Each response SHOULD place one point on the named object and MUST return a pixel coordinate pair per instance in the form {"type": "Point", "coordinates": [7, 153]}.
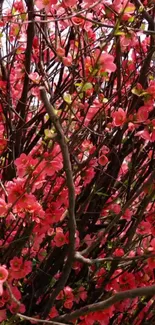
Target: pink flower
{"type": "Point", "coordinates": [3, 274]}
{"type": "Point", "coordinates": [45, 4]}
{"type": "Point", "coordinates": [34, 76]}
{"type": "Point", "coordinates": [69, 3]}
{"type": "Point", "coordinates": [15, 189]}
{"type": "Point", "coordinates": [25, 164]}
{"type": "Point", "coordinates": [151, 263]}
{"type": "Point", "coordinates": [68, 304]}
{"type": "Point", "coordinates": [107, 62]}
{"type": "Point", "coordinates": [67, 61]}
{"type": "Point", "coordinates": [59, 238]}
{"type": "Point", "coordinates": [127, 215]}
{"type": "Point", "coordinates": [78, 21]}
{"type": "Point", "coordinates": [69, 297]}
{"type": "Point", "coordinates": [60, 51]}
{"type": "Point", "coordinates": [142, 114]}
{"type": "Point", "coordinates": [119, 117]}
{"type": "Point", "coordinates": [51, 164]}
{"type": "Point", "coordinates": [3, 278]}
{"type": "Point", "coordinates": [6, 296]}
{"type": "Point", "coordinates": [16, 263]}
{"type": "Point", "coordinates": [68, 292]}
{"type": "Point", "coordinates": [81, 294]}
{"type": "Point", "coordinates": [14, 308]}
{"type": "Point", "coordinates": [3, 208]}
{"type": "Point", "coordinates": [126, 281]}
{"type": "Point", "coordinates": [53, 312]}
{"type": "Point", "coordinates": [144, 228]}
{"type": "Point", "coordinates": [103, 160]}
{"type": "Point", "coordinates": [19, 268]}
{"type": "Point", "coordinates": [118, 252]}
{"type": "Point", "coordinates": [88, 175]}
{"type": "Point", "coordinates": [115, 207]}
{"type": "Point", "coordinates": [104, 150]}
{"type": "Point", "coordinates": [144, 134]}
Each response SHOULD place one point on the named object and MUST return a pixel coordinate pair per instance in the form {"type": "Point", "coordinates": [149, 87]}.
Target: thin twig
{"type": "Point", "coordinates": [32, 319]}
{"type": "Point", "coordinates": [11, 294]}
{"type": "Point", "coordinates": [89, 261]}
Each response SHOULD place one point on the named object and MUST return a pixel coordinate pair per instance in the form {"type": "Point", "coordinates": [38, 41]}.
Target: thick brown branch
{"type": "Point", "coordinates": [129, 294]}
{"type": "Point", "coordinates": [146, 15]}
{"type": "Point", "coordinates": [71, 194]}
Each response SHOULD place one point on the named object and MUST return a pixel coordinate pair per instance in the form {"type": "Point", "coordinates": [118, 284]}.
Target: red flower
{"type": "Point", "coordinates": [142, 114]}
{"type": "Point", "coordinates": [16, 263]}
{"type": "Point", "coordinates": [103, 160]}
{"type": "Point", "coordinates": [3, 208]}
{"type": "Point", "coordinates": [59, 238]}
{"type": "Point", "coordinates": [53, 312]}
{"type": "Point", "coordinates": [119, 117]}
{"type": "Point", "coordinates": [126, 281]}
{"type": "Point", "coordinates": [60, 51]}
{"type": "Point", "coordinates": [19, 268]}
{"type": "Point", "coordinates": [78, 21]}
{"type": "Point", "coordinates": [3, 278]}
{"type": "Point", "coordinates": [144, 228]}
{"type": "Point", "coordinates": [118, 252]}
{"type": "Point", "coordinates": [151, 263]}
{"type": "Point", "coordinates": [68, 304]}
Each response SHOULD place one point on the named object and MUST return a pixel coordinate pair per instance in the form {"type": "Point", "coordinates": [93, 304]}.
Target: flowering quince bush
{"type": "Point", "coordinates": [77, 162]}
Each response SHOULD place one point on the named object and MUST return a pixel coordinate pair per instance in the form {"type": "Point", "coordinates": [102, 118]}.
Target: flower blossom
{"type": "Point", "coordinates": [119, 117]}
{"type": "Point", "coordinates": [3, 277]}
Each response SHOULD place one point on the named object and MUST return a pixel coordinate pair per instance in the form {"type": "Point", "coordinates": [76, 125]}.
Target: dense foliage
{"type": "Point", "coordinates": [77, 162]}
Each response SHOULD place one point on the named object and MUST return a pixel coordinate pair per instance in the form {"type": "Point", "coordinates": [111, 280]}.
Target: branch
{"type": "Point", "coordinates": [146, 15]}
{"type": "Point", "coordinates": [28, 53]}
{"type": "Point", "coordinates": [11, 294]}
{"type": "Point", "coordinates": [89, 261]}
{"type": "Point", "coordinates": [71, 197]}
{"type": "Point", "coordinates": [100, 306]}
{"type": "Point", "coordinates": [31, 319]}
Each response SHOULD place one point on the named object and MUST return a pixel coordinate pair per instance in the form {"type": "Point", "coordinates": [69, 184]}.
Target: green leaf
{"type": "Point", "coordinates": [105, 100]}
{"type": "Point", "coordinates": [23, 16]}
{"type": "Point", "coordinates": [110, 244]}
{"type": "Point", "coordinates": [101, 194]}
{"type": "Point", "coordinates": [87, 86]}
{"type": "Point", "coordinates": [119, 32]}
{"type": "Point", "coordinates": [67, 98]}
{"type": "Point", "coordinates": [135, 91]}
{"type": "Point", "coordinates": [78, 84]}
{"type": "Point", "coordinates": [142, 27]}
{"type": "Point", "coordinates": [108, 266]}
{"type": "Point", "coordinates": [49, 134]}
{"type": "Point", "coordinates": [131, 19]}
